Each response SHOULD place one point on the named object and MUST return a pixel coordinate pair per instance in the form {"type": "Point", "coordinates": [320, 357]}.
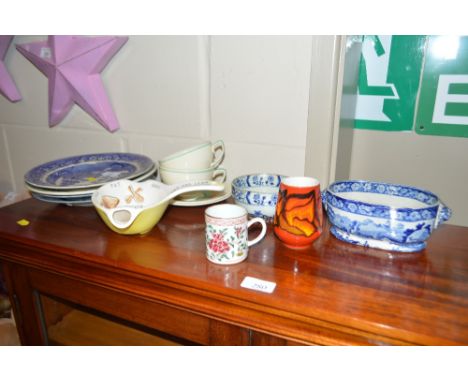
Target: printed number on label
{"type": "Point", "coordinates": [257, 284]}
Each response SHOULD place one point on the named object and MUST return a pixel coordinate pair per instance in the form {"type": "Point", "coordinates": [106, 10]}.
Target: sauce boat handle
{"type": "Point", "coordinates": [443, 214]}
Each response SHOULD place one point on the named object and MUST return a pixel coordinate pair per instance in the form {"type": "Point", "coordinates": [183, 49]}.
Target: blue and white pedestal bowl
{"type": "Point", "coordinates": [383, 215]}
{"type": "Point", "coordinates": [257, 193]}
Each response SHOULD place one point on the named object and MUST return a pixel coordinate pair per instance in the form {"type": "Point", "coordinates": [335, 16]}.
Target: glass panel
{"type": "Point", "coordinates": [65, 323]}
{"type": "Point", "coordinates": [8, 332]}
{"type": "Point", "coordinates": [5, 308]}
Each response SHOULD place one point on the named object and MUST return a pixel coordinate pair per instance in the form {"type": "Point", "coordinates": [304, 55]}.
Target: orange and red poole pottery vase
{"type": "Point", "coordinates": [298, 215]}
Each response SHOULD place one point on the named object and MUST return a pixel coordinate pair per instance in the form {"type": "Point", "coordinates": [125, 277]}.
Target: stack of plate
{"type": "Point", "coordinates": [73, 180]}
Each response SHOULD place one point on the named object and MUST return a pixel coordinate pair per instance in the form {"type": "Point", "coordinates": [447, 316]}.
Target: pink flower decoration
{"type": "Point", "coordinates": [239, 231]}
{"type": "Point", "coordinates": [218, 244]}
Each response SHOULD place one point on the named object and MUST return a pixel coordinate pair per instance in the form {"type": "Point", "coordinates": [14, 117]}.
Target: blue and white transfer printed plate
{"type": "Point", "coordinates": [84, 201]}
{"type": "Point", "coordinates": [87, 171]}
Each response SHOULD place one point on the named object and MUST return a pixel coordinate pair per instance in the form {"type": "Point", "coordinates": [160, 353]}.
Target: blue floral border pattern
{"type": "Point", "coordinates": [380, 211]}
{"type": "Point", "coordinates": [254, 198]}
{"type": "Point", "coordinates": [241, 193]}
{"type": "Point", "coordinates": [257, 180]}
{"type": "Point", "coordinates": [257, 203]}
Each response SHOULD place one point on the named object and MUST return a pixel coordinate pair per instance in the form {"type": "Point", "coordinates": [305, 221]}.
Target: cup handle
{"type": "Point", "coordinates": [261, 235]}
{"type": "Point", "coordinates": [218, 145]}
{"type": "Point", "coordinates": [443, 214]}
{"type": "Point", "coordinates": [121, 218]}
{"type": "Point", "coordinates": [218, 172]}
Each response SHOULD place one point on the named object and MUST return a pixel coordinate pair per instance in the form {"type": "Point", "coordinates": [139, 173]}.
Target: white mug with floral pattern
{"type": "Point", "coordinates": [227, 233]}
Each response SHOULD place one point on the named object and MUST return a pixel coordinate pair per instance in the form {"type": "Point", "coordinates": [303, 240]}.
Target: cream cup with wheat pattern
{"type": "Point", "coordinates": [227, 233]}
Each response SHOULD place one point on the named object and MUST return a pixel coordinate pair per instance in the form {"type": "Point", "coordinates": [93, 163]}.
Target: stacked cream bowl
{"type": "Point", "coordinates": [200, 162]}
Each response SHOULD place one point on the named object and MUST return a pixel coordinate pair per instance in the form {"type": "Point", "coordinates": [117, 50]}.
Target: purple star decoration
{"type": "Point", "coordinates": [7, 86]}
{"type": "Point", "coordinates": [73, 65]}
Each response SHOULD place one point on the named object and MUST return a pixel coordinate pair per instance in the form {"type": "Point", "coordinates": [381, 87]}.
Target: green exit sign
{"type": "Point", "coordinates": [443, 100]}
{"type": "Point", "coordinates": [415, 83]}
{"type": "Point", "coordinates": [389, 75]}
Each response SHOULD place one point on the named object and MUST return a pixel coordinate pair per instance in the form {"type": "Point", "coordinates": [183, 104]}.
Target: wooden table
{"type": "Point", "coordinates": [74, 281]}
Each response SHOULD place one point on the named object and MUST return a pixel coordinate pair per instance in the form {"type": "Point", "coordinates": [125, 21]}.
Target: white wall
{"type": "Point", "coordinates": [438, 164]}
{"type": "Point", "coordinates": [169, 93]}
